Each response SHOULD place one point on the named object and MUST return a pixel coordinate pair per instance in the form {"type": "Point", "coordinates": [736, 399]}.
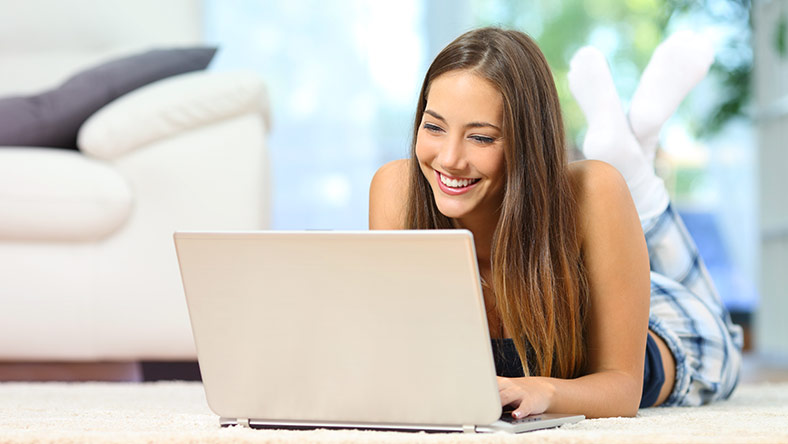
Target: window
{"type": "Point", "coordinates": [344, 76]}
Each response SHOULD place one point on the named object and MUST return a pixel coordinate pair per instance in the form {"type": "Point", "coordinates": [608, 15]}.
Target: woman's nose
{"type": "Point", "coordinates": [452, 155]}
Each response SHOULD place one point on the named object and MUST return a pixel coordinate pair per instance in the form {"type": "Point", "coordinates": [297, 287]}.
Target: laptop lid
{"type": "Point", "coordinates": [378, 328]}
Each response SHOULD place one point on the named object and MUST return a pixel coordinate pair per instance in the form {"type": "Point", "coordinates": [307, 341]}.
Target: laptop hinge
{"type": "Point", "coordinates": [244, 422]}
{"type": "Point", "coordinates": [468, 429]}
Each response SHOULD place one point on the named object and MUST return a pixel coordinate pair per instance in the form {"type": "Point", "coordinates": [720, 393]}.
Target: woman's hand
{"type": "Point", "coordinates": [527, 396]}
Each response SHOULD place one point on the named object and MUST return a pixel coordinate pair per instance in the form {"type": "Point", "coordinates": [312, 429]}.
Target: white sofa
{"type": "Point", "coordinates": [88, 270]}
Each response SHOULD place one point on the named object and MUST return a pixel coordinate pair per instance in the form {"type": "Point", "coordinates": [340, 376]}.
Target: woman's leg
{"type": "Point", "coordinates": [688, 316]}
{"type": "Point", "coordinates": [701, 339]}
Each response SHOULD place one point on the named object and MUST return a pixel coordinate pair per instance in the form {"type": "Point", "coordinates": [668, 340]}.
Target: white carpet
{"type": "Point", "coordinates": [176, 412]}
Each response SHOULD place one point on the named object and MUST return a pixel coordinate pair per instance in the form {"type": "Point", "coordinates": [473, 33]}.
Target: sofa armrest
{"type": "Point", "coordinates": [168, 107]}
{"type": "Point", "coordinates": [49, 195]}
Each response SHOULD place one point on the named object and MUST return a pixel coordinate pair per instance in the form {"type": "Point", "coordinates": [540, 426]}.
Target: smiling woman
{"type": "Point", "coordinates": [572, 308]}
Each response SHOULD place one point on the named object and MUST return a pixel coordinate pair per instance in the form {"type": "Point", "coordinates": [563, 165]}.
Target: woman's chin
{"type": "Point", "coordinates": [451, 209]}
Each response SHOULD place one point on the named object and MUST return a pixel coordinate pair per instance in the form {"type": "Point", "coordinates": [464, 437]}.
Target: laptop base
{"type": "Point", "coordinates": [506, 424]}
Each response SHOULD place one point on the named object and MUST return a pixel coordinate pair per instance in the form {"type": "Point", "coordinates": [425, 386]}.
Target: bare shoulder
{"type": "Point", "coordinates": [388, 195]}
{"type": "Point", "coordinates": [594, 180]}
{"type": "Point", "coordinates": [601, 192]}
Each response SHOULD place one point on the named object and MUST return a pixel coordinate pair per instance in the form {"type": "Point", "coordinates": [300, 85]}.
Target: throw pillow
{"type": "Point", "coordinates": [53, 118]}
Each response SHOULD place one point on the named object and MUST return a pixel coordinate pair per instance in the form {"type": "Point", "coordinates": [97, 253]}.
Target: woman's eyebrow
{"type": "Point", "coordinates": [435, 115]}
{"type": "Point", "coordinates": [469, 125]}
{"type": "Point", "coordinates": [481, 125]}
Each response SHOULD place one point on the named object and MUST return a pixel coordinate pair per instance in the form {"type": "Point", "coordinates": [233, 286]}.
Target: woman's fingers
{"type": "Point", "coordinates": [522, 411]}
{"type": "Point", "coordinates": [513, 395]}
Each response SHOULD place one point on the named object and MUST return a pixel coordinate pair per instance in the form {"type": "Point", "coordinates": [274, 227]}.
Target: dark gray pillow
{"type": "Point", "coordinates": [53, 118]}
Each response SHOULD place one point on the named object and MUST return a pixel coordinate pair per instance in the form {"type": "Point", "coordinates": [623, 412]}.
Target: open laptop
{"type": "Point", "coordinates": [377, 330]}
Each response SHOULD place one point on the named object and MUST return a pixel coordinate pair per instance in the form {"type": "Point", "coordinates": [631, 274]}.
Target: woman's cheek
{"type": "Point", "coordinates": [426, 149]}
{"type": "Point", "coordinates": [420, 148]}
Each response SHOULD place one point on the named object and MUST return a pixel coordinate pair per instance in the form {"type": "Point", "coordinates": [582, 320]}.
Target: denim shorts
{"type": "Point", "coordinates": [687, 313]}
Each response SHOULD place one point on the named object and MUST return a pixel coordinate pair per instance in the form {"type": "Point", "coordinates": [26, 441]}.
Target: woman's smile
{"type": "Point", "coordinates": [455, 185]}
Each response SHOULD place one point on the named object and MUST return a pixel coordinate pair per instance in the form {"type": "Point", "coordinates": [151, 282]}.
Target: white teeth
{"type": "Point", "coordinates": [456, 183]}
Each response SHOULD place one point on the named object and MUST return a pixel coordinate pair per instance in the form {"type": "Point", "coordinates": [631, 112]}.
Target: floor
{"type": "Point", "coordinates": [70, 371]}
{"type": "Point", "coordinates": [761, 369]}
{"type": "Point", "coordinates": [755, 368]}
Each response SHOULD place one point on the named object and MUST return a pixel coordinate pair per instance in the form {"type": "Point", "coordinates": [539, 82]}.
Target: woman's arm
{"type": "Point", "coordinates": [388, 194]}
{"type": "Point", "coordinates": [617, 266]}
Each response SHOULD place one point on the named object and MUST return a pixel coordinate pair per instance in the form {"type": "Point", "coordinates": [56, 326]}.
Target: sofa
{"type": "Point", "coordinates": [88, 271]}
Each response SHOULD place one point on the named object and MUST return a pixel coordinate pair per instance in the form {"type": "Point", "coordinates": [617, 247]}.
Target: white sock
{"type": "Point", "coordinates": [676, 66]}
{"type": "Point", "coordinates": [609, 137]}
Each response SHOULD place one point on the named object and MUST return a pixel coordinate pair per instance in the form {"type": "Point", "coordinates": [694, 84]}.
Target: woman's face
{"type": "Point", "coordinates": [460, 145]}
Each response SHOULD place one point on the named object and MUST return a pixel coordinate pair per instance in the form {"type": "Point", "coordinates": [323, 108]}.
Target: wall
{"type": "Point", "coordinates": [771, 100]}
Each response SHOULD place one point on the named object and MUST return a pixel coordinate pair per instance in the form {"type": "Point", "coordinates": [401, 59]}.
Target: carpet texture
{"type": "Point", "coordinates": [176, 412]}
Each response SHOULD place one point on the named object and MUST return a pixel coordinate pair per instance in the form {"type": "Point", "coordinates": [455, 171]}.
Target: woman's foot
{"type": "Point", "coordinates": [609, 137]}
{"type": "Point", "coordinates": [676, 66]}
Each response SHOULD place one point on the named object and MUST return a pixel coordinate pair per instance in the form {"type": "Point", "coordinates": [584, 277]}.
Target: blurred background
{"type": "Point", "coordinates": [344, 77]}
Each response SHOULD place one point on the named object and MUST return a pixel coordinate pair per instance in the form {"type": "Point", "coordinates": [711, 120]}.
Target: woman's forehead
{"type": "Point", "coordinates": [465, 95]}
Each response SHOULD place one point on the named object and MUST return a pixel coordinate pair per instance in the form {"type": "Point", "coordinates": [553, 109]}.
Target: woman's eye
{"type": "Point", "coordinates": [483, 139]}
{"type": "Point", "coordinates": [432, 128]}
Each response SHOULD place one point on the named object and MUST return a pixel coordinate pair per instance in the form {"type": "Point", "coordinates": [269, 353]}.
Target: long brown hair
{"type": "Point", "coordinates": [537, 272]}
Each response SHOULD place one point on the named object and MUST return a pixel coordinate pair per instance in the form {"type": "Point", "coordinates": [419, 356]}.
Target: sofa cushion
{"type": "Point", "coordinates": [53, 118]}
{"type": "Point", "coordinates": [48, 194]}
{"type": "Point", "coordinates": [168, 107]}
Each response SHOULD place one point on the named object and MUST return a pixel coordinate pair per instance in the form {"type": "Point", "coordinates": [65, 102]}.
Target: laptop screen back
{"type": "Point", "coordinates": [373, 327]}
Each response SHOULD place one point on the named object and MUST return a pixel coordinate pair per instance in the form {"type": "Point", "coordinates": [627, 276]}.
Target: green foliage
{"type": "Point", "coordinates": [780, 37]}
{"type": "Point", "coordinates": [734, 94]}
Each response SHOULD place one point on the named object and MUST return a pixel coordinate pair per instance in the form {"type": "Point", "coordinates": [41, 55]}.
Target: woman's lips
{"type": "Point", "coordinates": [454, 191]}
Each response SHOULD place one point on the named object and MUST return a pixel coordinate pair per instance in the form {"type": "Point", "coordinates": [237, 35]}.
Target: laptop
{"type": "Point", "coordinates": [382, 330]}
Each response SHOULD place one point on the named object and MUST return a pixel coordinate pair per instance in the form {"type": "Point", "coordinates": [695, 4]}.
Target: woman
{"type": "Point", "coordinates": [561, 252]}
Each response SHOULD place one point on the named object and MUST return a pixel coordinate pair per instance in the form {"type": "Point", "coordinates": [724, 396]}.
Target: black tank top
{"type": "Point", "coordinates": [507, 361]}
